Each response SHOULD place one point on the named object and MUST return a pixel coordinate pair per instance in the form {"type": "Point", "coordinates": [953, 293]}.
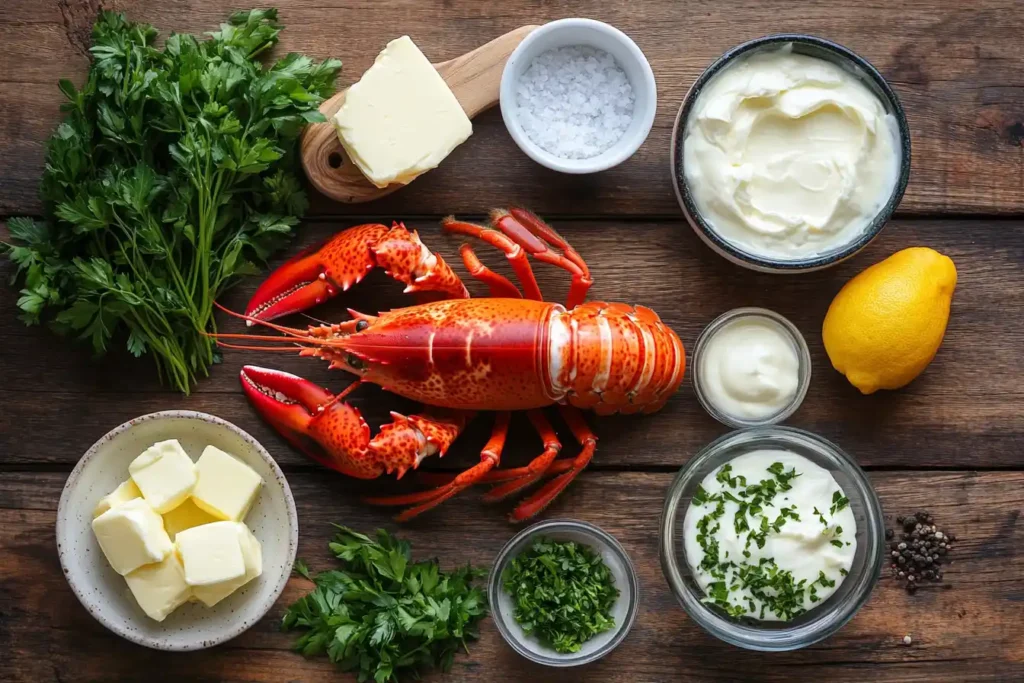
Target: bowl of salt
{"type": "Point", "coordinates": [578, 96]}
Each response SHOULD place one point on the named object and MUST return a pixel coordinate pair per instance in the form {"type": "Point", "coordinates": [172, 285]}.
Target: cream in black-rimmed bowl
{"type": "Point", "coordinates": [104, 593]}
{"type": "Point", "coordinates": [813, 249]}
{"type": "Point", "coordinates": [613, 555]}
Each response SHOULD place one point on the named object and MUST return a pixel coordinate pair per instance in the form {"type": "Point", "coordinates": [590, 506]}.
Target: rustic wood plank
{"type": "Point", "coordinates": [966, 406]}
{"type": "Point", "coordinates": [956, 67]}
{"type": "Point", "coordinates": [973, 631]}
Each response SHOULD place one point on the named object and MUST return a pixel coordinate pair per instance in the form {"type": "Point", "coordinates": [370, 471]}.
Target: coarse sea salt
{"type": "Point", "coordinates": [574, 102]}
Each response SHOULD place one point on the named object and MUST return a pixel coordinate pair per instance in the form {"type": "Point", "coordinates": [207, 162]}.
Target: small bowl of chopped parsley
{"type": "Point", "coordinates": [563, 593]}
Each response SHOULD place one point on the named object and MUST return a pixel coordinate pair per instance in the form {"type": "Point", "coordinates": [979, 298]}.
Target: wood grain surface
{"type": "Point", "coordinates": [952, 442]}
{"type": "Point", "coordinates": [957, 67]}
{"type": "Point", "coordinates": [970, 628]}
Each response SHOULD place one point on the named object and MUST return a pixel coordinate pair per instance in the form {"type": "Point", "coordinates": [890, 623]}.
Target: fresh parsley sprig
{"type": "Point", "coordinates": [382, 615]}
{"type": "Point", "coordinates": [173, 173]}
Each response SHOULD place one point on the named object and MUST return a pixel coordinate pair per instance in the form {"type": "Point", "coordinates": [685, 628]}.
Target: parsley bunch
{"type": "Point", "coordinates": [381, 614]}
{"type": "Point", "coordinates": [563, 593]}
{"type": "Point", "coordinates": [174, 172]}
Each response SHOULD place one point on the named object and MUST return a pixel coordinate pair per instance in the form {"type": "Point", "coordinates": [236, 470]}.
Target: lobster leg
{"type": "Point", "coordinates": [516, 220]}
{"type": "Point", "coordinates": [426, 500]}
{"type": "Point", "coordinates": [537, 467]}
{"type": "Point", "coordinates": [542, 498]}
{"type": "Point", "coordinates": [500, 286]}
{"type": "Point", "coordinates": [517, 258]}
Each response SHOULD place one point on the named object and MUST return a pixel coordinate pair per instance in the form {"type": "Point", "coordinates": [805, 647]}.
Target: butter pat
{"type": "Point", "coordinates": [226, 486]}
{"type": "Point", "coordinates": [160, 588]}
{"type": "Point", "coordinates": [164, 474]}
{"type": "Point", "coordinates": [131, 535]}
{"type": "Point", "coordinates": [401, 118]}
{"type": "Point", "coordinates": [185, 516]}
{"type": "Point", "coordinates": [211, 553]}
{"type": "Point", "coordinates": [122, 494]}
{"type": "Point", "coordinates": [252, 555]}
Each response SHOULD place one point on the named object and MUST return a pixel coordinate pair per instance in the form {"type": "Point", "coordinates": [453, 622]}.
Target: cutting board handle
{"type": "Point", "coordinates": [474, 78]}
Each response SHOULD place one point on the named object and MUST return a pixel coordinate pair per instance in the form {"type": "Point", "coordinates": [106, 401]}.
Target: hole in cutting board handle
{"type": "Point", "coordinates": [335, 160]}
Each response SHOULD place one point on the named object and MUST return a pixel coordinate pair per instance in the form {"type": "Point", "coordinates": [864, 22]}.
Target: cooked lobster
{"type": "Point", "coordinates": [510, 351]}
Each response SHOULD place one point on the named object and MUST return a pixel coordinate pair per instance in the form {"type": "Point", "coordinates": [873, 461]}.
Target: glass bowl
{"type": "Point", "coordinates": [613, 554]}
{"type": "Point", "coordinates": [822, 49]}
{"type": "Point", "coordinates": [817, 623]}
{"type": "Point", "coordinates": [802, 353]}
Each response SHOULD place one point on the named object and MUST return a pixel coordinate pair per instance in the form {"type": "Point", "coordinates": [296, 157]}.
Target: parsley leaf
{"type": "Point", "coordinates": [174, 172]}
{"type": "Point", "coordinates": [381, 614]}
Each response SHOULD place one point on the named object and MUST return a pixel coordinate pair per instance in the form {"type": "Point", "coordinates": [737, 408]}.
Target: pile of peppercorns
{"type": "Point", "coordinates": [921, 553]}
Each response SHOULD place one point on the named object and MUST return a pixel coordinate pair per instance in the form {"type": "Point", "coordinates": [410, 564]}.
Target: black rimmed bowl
{"type": "Point", "coordinates": [811, 46]}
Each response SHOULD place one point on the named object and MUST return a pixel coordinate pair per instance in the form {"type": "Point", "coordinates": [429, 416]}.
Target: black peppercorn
{"type": "Point", "coordinates": [918, 556]}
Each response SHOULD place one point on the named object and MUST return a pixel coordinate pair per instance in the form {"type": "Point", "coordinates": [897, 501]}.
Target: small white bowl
{"type": "Point", "coordinates": [596, 34]}
{"type": "Point", "coordinates": [105, 594]}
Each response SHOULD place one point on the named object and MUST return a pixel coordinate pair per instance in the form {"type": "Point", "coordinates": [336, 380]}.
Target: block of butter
{"type": "Point", "coordinates": [226, 487]}
{"type": "Point", "coordinates": [211, 553]}
{"type": "Point", "coordinates": [160, 588]}
{"type": "Point", "coordinates": [252, 554]}
{"type": "Point", "coordinates": [185, 516]}
{"type": "Point", "coordinates": [131, 535]}
{"type": "Point", "coordinates": [122, 494]}
{"type": "Point", "coordinates": [401, 118]}
{"type": "Point", "coordinates": [164, 474]}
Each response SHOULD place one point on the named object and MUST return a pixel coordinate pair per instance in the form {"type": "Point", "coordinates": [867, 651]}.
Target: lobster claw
{"type": "Point", "coordinates": [317, 274]}
{"type": "Point", "coordinates": [314, 420]}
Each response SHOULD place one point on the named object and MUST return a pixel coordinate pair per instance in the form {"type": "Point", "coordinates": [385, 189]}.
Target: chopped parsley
{"type": "Point", "coordinates": [767, 587]}
{"type": "Point", "coordinates": [563, 593]}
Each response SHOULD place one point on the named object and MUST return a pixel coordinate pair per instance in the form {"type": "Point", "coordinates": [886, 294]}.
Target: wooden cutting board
{"type": "Point", "coordinates": [474, 78]}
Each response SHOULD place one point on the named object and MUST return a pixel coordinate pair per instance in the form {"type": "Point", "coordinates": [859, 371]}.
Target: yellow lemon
{"type": "Point", "coordinates": [886, 324]}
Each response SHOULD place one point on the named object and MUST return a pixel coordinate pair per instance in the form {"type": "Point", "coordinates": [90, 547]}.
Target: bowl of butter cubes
{"type": "Point", "coordinates": [177, 530]}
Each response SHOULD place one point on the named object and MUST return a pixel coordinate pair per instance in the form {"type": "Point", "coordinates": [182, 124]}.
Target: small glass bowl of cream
{"type": "Point", "coordinates": [822, 545]}
{"type": "Point", "coordinates": [751, 367]}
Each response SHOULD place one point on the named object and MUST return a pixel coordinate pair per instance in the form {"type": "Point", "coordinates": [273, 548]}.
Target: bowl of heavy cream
{"type": "Point", "coordinates": [790, 153]}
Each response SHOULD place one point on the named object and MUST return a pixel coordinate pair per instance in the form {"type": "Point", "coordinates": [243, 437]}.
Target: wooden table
{"type": "Point", "coordinates": [952, 442]}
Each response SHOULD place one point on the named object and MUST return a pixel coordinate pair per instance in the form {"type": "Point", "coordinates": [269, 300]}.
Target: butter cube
{"type": "Point", "coordinates": [252, 553]}
{"type": "Point", "coordinates": [131, 535]}
{"type": "Point", "coordinates": [160, 588]}
{"type": "Point", "coordinates": [185, 516]}
{"type": "Point", "coordinates": [226, 486]}
{"type": "Point", "coordinates": [211, 553]}
{"type": "Point", "coordinates": [401, 118]}
{"type": "Point", "coordinates": [164, 474]}
{"type": "Point", "coordinates": [122, 494]}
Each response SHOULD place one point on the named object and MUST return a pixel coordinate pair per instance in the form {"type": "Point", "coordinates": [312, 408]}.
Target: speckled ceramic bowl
{"type": "Point", "coordinates": [105, 594]}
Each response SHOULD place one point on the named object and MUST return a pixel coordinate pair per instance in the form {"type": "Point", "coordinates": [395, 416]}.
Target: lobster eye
{"type": "Point", "coordinates": [361, 325]}
{"type": "Point", "coordinates": [355, 362]}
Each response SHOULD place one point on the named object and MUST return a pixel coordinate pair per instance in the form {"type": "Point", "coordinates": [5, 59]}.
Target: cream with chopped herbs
{"type": "Point", "coordinates": [769, 535]}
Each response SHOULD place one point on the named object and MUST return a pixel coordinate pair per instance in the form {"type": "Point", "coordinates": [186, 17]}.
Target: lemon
{"type": "Point", "coordinates": [886, 324]}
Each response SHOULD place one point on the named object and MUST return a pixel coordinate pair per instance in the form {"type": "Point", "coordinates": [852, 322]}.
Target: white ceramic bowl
{"type": "Point", "coordinates": [105, 594]}
{"type": "Point", "coordinates": [570, 32]}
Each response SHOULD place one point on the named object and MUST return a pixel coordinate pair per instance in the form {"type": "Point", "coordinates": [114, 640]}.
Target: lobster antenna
{"type": "Point", "coordinates": [290, 331]}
